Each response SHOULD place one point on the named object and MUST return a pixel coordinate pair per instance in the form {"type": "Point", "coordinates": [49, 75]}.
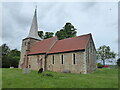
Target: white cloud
{"type": "Point", "coordinates": [100, 19]}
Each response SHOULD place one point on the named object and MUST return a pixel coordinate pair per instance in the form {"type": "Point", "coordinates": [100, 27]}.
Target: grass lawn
{"type": "Point", "coordinates": [103, 78]}
{"type": "Point", "coordinates": [0, 78]}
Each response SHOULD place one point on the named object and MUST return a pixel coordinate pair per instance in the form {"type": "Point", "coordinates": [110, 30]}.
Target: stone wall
{"type": "Point", "coordinates": [82, 65]}
{"type": "Point", "coordinates": [35, 62]}
{"type": "Point", "coordinates": [26, 45]}
{"type": "Point", "coordinates": [68, 64]}
{"type": "Point", "coordinates": [90, 57]}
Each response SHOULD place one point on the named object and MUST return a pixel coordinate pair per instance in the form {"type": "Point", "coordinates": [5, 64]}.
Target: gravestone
{"type": "Point", "coordinates": [66, 71]}
{"type": "Point", "coordinates": [11, 67]}
{"type": "Point", "coordinates": [26, 70]}
{"type": "Point", "coordinates": [40, 70]}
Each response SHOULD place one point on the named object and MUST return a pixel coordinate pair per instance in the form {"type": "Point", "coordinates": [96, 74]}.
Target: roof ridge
{"type": "Point", "coordinates": [52, 44]}
{"type": "Point", "coordinates": [84, 35]}
{"type": "Point", "coordinates": [75, 37]}
{"type": "Point", "coordinates": [48, 38]}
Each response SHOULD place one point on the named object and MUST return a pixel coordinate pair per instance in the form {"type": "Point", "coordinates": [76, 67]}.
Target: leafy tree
{"type": "Point", "coordinates": [48, 35]}
{"type": "Point", "coordinates": [5, 49]}
{"type": "Point", "coordinates": [5, 62]}
{"type": "Point", "coordinates": [0, 56]}
{"type": "Point", "coordinates": [5, 59]}
{"type": "Point", "coordinates": [14, 57]}
{"type": "Point", "coordinates": [14, 52]}
{"type": "Point", "coordinates": [104, 53]}
{"type": "Point", "coordinates": [66, 32]}
{"type": "Point", "coordinates": [41, 34]}
{"type": "Point", "coordinates": [60, 34]}
{"type": "Point", "coordinates": [9, 57]}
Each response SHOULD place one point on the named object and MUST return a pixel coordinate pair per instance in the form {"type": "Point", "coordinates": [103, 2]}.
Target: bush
{"type": "Point", "coordinates": [99, 65]}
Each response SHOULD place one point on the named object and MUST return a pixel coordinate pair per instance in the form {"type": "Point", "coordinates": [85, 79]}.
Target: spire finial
{"type": "Point", "coordinates": [35, 6]}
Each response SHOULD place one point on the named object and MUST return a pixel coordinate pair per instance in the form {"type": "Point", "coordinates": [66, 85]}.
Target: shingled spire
{"type": "Point", "coordinates": [34, 27]}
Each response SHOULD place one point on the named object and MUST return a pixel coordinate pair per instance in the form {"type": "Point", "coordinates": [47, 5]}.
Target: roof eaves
{"type": "Point", "coordinates": [36, 54]}
{"type": "Point", "coordinates": [65, 51]}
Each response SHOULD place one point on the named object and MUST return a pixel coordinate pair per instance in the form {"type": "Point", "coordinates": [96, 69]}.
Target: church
{"type": "Point", "coordinates": [73, 55]}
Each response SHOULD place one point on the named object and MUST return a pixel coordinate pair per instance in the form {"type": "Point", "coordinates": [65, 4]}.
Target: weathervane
{"type": "Point", "coordinates": [35, 6]}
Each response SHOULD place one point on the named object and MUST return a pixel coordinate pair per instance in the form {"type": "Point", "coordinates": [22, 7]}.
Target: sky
{"type": "Point", "coordinates": [98, 18]}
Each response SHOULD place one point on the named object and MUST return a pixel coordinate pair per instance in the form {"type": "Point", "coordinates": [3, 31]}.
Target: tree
{"type": "Point", "coordinates": [66, 32]}
{"type": "Point", "coordinates": [104, 53]}
{"type": "Point", "coordinates": [9, 57]}
{"type": "Point", "coordinates": [5, 59]}
{"type": "Point", "coordinates": [5, 49]}
{"type": "Point", "coordinates": [48, 35]}
{"type": "Point", "coordinates": [41, 34]}
{"type": "Point", "coordinates": [14, 57]}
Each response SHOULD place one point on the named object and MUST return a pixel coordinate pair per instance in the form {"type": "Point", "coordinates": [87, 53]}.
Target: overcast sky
{"type": "Point", "coordinates": [98, 18]}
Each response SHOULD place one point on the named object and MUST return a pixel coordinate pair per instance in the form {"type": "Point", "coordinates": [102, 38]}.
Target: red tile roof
{"type": "Point", "coordinates": [42, 46]}
{"type": "Point", "coordinates": [69, 44]}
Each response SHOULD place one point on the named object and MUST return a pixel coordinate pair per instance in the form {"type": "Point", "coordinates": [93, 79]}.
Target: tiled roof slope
{"type": "Point", "coordinates": [42, 46]}
{"type": "Point", "coordinates": [69, 44]}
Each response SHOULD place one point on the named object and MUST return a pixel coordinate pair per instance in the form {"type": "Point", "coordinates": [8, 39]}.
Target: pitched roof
{"type": "Point", "coordinates": [42, 46]}
{"type": "Point", "coordinates": [69, 44]}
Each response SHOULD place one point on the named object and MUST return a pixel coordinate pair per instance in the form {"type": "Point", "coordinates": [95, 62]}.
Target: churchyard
{"type": "Point", "coordinates": [102, 78]}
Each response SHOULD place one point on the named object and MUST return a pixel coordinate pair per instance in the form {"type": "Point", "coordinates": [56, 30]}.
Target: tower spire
{"type": "Point", "coordinates": [33, 33]}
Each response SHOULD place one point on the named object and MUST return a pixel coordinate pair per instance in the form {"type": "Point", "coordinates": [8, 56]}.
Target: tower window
{"type": "Point", "coordinates": [25, 43]}
{"type": "Point", "coordinates": [53, 60]}
{"type": "Point", "coordinates": [62, 59]}
{"type": "Point", "coordinates": [74, 59]}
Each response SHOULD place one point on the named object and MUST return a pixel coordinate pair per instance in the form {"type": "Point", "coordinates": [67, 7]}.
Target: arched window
{"type": "Point", "coordinates": [25, 44]}
{"type": "Point", "coordinates": [53, 59]}
{"type": "Point", "coordinates": [74, 59]}
{"type": "Point", "coordinates": [62, 59]}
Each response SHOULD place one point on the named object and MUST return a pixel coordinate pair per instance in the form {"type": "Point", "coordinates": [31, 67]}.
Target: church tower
{"type": "Point", "coordinates": [28, 42]}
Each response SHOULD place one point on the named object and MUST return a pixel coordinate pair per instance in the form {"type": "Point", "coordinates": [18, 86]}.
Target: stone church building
{"type": "Point", "coordinates": [76, 54]}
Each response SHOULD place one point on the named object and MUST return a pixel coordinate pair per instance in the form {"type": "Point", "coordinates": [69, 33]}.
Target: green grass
{"type": "Point", "coordinates": [103, 78]}
{"type": "Point", "coordinates": [0, 78]}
